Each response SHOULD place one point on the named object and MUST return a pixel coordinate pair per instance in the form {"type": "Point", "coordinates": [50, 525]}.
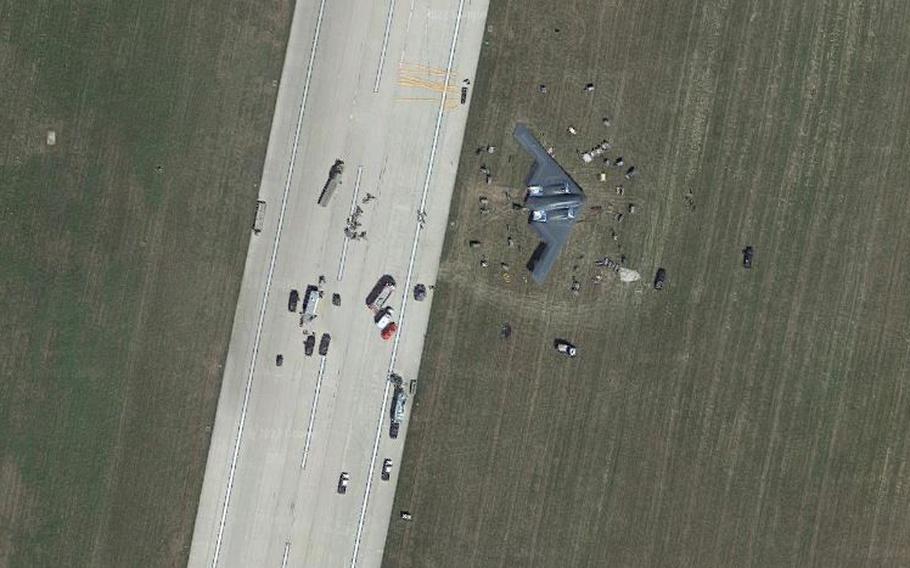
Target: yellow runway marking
{"type": "Point", "coordinates": [426, 78]}
{"type": "Point", "coordinates": [416, 68]}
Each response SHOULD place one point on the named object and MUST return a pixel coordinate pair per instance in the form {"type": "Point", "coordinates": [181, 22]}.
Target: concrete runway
{"type": "Point", "coordinates": [364, 82]}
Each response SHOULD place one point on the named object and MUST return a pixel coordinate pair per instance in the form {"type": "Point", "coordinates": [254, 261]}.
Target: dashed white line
{"type": "Point", "coordinates": [423, 201]}
{"type": "Point", "coordinates": [309, 428]}
{"type": "Point", "coordinates": [268, 283]}
{"type": "Point", "coordinates": [344, 247]}
{"type": "Point", "coordinates": [284, 559]}
{"type": "Point", "coordinates": [385, 45]}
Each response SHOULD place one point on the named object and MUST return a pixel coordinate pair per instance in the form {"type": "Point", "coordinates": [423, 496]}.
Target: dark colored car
{"type": "Point", "coordinates": [336, 299]}
{"type": "Point", "coordinates": [324, 344]}
{"type": "Point", "coordinates": [660, 279]}
{"type": "Point", "coordinates": [309, 344]}
{"type": "Point", "coordinates": [292, 301]}
{"type": "Point", "coordinates": [393, 429]}
{"type": "Point", "coordinates": [386, 469]}
{"type": "Point", "coordinates": [420, 292]}
{"type": "Point", "coordinates": [279, 360]}
{"type": "Point", "coordinates": [748, 253]}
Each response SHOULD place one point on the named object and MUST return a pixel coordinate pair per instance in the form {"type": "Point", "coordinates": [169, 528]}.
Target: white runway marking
{"type": "Point", "coordinates": [385, 45]}
{"type": "Point", "coordinates": [268, 283]}
{"type": "Point", "coordinates": [407, 286]}
{"type": "Point", "coordinates": [284, 560]}
{"type": "Point", "coordinates": [344, 247]}
{"type": "Point", "coordinates": [309, 428]}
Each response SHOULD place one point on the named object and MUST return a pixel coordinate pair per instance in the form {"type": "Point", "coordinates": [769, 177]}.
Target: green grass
{"type": "Point", "coordinates": [736, 418]}
{"type": "Point", "coordinates": [117, 282]}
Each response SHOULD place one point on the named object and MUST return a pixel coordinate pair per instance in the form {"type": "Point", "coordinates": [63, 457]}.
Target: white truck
{"type": "Point", "coordinates": [399, 399]}
{"type": "Point", "coordinates": [259, 219]}
{"type": "Point", "coordinates": [380, 293]}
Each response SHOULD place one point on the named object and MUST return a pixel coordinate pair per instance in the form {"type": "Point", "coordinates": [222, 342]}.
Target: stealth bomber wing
{"type": "Point", "coordinates": [555, 201]}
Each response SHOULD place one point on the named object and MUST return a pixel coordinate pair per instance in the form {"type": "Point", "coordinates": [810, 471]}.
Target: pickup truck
{"type": "Point", "coordinates": [384, 317]}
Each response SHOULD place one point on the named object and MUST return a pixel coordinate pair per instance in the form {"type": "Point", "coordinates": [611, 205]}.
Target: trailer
{"type": "Point", "coordinates": [380, 293]}
{"type": "Point", "coordinates": [331, 183]}
{"type": "Point", "coordinates": [259, 218]}
{"type": "Point", "coordinates": [399, 399]}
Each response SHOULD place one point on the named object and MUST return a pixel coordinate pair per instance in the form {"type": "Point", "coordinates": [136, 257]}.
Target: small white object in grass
{"type": "Point", "coordinates": [572, 130]}
{"type": "Point", "coordinates": [603, 176]}
{"type": "Point", "coordinates": [628, 275]}
{"type": "Point", "coordinates": [51, 137]}
{"type": "Point", "coordinates": [586, 157]}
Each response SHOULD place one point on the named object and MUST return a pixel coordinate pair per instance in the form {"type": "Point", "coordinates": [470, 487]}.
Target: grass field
{"type": "Point", "coordinates": [736, 418]}
{"type": "Point", "coordinates": [121, 252]}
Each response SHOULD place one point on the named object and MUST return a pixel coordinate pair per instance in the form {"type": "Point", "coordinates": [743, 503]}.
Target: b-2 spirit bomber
{"type": "Point", "coordinates": [555, 201]}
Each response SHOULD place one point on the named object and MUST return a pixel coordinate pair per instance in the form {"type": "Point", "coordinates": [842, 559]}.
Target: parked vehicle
{"type": "Point", "coordinates": [324, 344]}
{"type": "Point", "coordinates": [311, 303]}
{"type": "Point", "coordinates": [389, 331]}
{"type": "Point", "coordinates": [384, 317]}
{"type": "Point", "coordinates": [259, 219]}
{"type": "Point", "coordinates": [748, 253]}
{"type": "Point", "coordinates": [565, 348]}
{"type": "Point", "coordinates": [331, 184]}
{"type": "Point", "coordinates": [420, 292]}
{"type": "Point", "coordinates": [399, 399]}
{"type": "Point", "coordinates": [279, 360]}
{"type": "Point", "coordinates": [309, 344]}
{"type": "Point", "coordinates": [293, 299]}
{"type": "Point", "coordinates": [660, 279]}
{"type": "Point", "coordinates": [380, 293]}
{"type": "Point", "coordinates": [343, 481]}
{"type": "Point", "coordinates": [336, 299]}
{"type": "Point", "coordinates": [386, 469]}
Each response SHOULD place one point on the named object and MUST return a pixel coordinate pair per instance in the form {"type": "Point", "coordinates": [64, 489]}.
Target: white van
{"type": "Point", "coordinates": [310, 303]}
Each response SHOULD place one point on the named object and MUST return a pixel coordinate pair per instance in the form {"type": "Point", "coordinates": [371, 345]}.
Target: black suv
{"type": "Point", "coordinates": [309, 344]}
{"type": "Point", "coordinates": [660, 279]}
{"type": "Point", "coordinates": [292, 301]}
{"type": "Point", "coordinates": [324, 344]}
{"type": "Point", "coordinates": [748, 253]}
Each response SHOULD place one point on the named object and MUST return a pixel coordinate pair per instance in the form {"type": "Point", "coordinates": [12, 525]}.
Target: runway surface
{"type": "Point", "coordinates": [378, 85]}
